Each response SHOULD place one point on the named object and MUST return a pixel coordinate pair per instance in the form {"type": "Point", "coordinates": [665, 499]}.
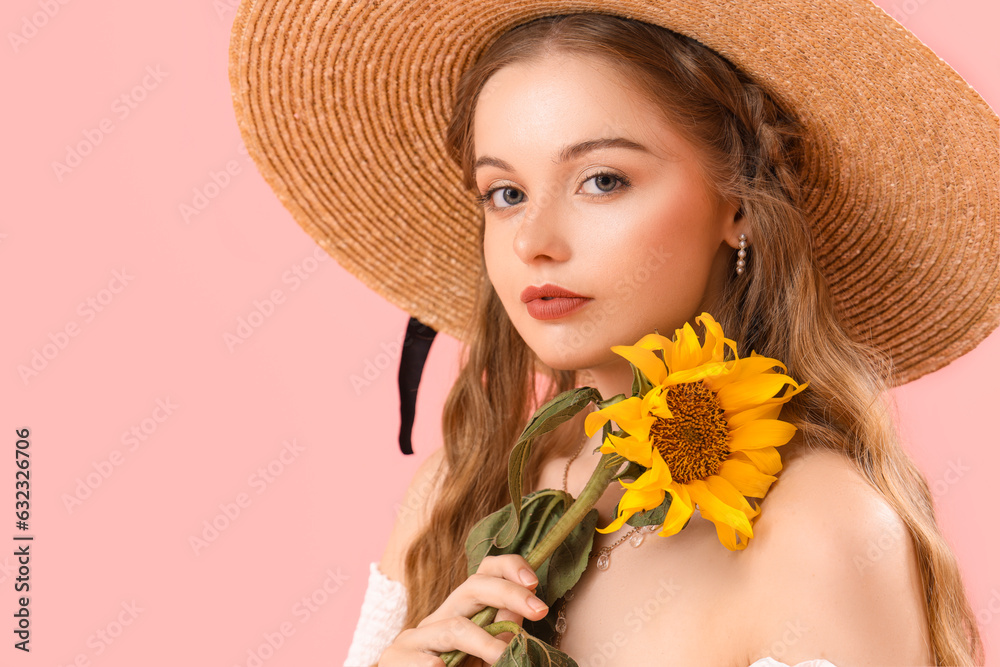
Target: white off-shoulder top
{"type": "Point", "coordinates": [384, 610]}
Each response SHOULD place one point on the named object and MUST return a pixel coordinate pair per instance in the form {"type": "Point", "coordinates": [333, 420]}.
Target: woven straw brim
{"type": "Point", "coordinates": [343, 106]}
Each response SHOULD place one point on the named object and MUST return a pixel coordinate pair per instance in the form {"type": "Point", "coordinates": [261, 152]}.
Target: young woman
{"type": "Point", "coordinates": [639, 178]}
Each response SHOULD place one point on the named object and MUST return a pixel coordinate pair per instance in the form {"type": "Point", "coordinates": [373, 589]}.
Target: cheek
{"type": "Point", "coordinates": [495, 265]}
{"type": "Point", "coordinates": [662, 250]}
{"type": "Point", "coordinates": [489, 247]}
{"type": "Point", "coordinates": [682, 221]}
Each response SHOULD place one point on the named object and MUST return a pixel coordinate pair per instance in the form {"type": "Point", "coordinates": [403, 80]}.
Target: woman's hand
{"type": "Point", "coordinates": [505, 582]}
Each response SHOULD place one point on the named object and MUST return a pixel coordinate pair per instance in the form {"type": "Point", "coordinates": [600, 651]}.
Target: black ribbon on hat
{"type": "Point", "coordinates": [416, 345]}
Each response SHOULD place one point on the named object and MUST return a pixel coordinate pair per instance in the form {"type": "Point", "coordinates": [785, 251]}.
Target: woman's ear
{"type": "Point", "coordinates": [735, 222]}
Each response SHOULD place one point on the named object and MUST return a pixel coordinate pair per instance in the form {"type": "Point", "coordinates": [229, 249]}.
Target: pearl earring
{"type": "Point", "coordinates": [741, 262]}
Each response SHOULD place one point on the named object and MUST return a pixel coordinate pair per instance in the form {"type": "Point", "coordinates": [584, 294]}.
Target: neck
{"type": "Point", "coordinates": [612, 379]}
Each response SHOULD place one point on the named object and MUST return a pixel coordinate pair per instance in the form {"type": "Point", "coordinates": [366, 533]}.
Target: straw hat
{"type": "Point", "coordinates": [343, 106]}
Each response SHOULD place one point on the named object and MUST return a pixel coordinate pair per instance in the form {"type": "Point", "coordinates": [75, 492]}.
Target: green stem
{"type": "Point", "coordinates": [503, 626]}
{"type": "Point", "coordinates": [592, 492]}
{"type": "Point", "coordinates": [541, 523]}
{"type": "Point", "coordinates": [603, 474]}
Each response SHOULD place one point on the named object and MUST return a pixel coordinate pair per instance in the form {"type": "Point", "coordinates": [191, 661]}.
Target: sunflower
{"type": "Point", "coordinates": [705, 431]}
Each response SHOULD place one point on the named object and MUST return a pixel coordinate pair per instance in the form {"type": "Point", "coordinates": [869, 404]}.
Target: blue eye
{"type": "Point", "coordinates": [605, 177]}
{"type": "Point", "coordinates": [486, 200]}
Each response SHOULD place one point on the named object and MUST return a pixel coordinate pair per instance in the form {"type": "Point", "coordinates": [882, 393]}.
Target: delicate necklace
{"type": "Point", "coordinates": [603, 555]}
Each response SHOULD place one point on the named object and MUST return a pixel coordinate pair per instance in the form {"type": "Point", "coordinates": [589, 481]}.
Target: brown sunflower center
{"type": "Point", "coordinates": [695, 442]}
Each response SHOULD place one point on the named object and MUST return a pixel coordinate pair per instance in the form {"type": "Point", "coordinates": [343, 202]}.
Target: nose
{"type": "Point", "coordinates": [540, 234]}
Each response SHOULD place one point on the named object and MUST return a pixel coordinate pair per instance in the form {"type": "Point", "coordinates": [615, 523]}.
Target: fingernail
{"type": "Point", "coordinates": [537, 604]}
{"type": "Point", "coordinates": [528, 577]}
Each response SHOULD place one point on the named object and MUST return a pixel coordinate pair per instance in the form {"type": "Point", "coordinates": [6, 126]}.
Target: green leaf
{"type": "Point", "coordinates": [617, 398]}
{"type": "Point", "coordinates": [632, 472]}
{"type": "Point", "coordinates": [640, 383]}
{"type": "Point", "coordinates": [656, 516]}
{"type": "Point", "coordinates": [547, 418]}
{"type": "Point", "coordinates": [536, 508]}
{"type": "Point", "coordinates": [539, 513]}
{"type": "Point", "coordinates": [524, 650]}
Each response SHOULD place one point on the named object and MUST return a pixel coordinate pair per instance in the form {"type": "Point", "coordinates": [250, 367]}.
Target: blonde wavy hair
{"type": "Point", "coordinates": [752, 151]}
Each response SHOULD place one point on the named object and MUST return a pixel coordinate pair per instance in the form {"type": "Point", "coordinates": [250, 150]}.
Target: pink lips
{"type": "Point", "coordinates": [550, 302]}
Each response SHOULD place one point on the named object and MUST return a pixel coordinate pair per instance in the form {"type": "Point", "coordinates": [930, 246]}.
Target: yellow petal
{"type": "Point", "coordinates": [680, 510]}
{"type": "Point", "coordinates": [755, 364]}
{"type": "Point", "coordinates": [751, 392]}
{"type": "Point", "coordinates": [729, 495]}
{"type": "Point", "coordinates": [746, 478]}
{"type": "Point", "coordinates": [725, 528]}
{"type": "Point", "coordinates": [778, 400]}
{"type": "Point", "coordinates": [714, 509]}
{"type": "Point", "coordinates": [727, 535]}
{"type": "Point", "coordinates": [761, 433]}
{"type": "Point", "coordinates": [655, 403]}
{"type": "Point", "coordinates": [709, 372]}
{"type": "Point", "coordinates": [634, 449]}
{"type": "Point", "coordinates": [648, 495]}
{"type": "Point", "coordinates": [630, 503]}
{"type": "Point", "coordinates": [767, 459]}
{"type": "Point", "coordinates": [796, 388]}
{"type": "Point", "coordinates": [595, 421]}
{"type": "Point", "coordinates": [633, 501]}
{"type": "Point", "coordinates": [629, 416]}
{"type": "Point", "coordinates": [639, 428]}
{"type": "Point", "coordinates": [640, 501]}
{"type": "Point", "coordinates": [657, 475]}
{"type": "Point", "coordinates": [744, 369]}
{"type": "Point", "coordinates": [655, 341]}
{"type": "Point", "coordinates": [715, 341]}
{"type": "Point", "coordinates": [616, 524]}
{"type": "Point", "coordinates": [766, 411]}
{"type": "Point", "coordinates": [643, 359]}
{"type": "Point", "coordinates": [686, 351]}
{"type": "Point", "coordinates": [626, 410]}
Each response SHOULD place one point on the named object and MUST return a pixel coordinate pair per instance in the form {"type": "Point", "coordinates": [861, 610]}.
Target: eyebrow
{"type": "Point", "coordinates": [567, 153]}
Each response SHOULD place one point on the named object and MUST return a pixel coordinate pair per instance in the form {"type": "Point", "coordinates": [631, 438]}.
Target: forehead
{"type": "Point", "coordinates": [559, 99]}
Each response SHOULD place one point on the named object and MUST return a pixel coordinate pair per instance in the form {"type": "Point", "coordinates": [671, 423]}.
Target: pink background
{"type": "Point", "coordinates": [320, 371]}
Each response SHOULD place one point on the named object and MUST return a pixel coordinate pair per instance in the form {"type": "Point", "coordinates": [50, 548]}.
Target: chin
{"type": "Point", "coordinates": [558, 364]}
{"type": "Point", "coordinates": [567, 346]}
{"type": "Point", "coordinates": [563, 355]}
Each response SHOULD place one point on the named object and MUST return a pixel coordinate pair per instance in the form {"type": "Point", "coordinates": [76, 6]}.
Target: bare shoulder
{"type": "Point", "coordinates": [833, 571]}
{"type": "Point", "coordinates": [413, 513]}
